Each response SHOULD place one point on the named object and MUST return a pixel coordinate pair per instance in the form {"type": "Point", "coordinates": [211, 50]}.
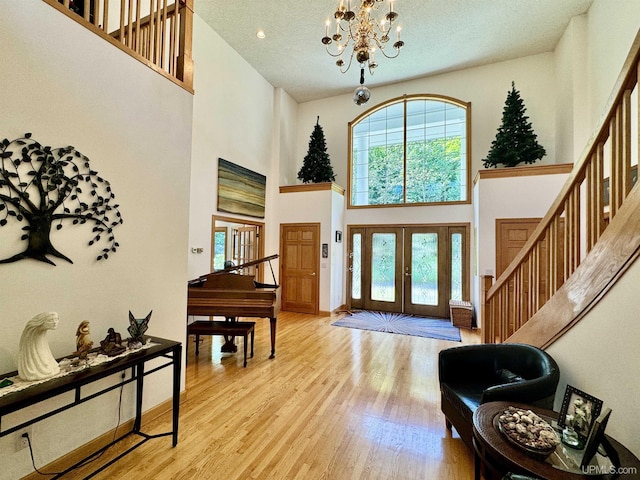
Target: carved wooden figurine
{"type": "Point", "coordinates": [83, 340]}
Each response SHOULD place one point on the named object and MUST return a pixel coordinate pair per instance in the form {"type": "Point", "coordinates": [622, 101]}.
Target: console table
{"type": "Point", "coordinates": [169, 350]}
{"type": "Point", "coordinates": [498, 456]}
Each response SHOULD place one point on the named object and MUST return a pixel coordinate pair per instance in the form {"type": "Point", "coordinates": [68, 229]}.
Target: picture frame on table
{"type": "Point", "coordinates": [579, 410]}
{"type": "Point", "coordinates": [598, 439]}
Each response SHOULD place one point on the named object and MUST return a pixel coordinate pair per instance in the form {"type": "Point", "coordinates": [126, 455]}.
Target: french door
{"type": "Point", "coordinates": [414, 270]}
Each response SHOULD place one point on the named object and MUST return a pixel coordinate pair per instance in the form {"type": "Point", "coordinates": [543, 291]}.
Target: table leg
{"type": "Point", "coordinates": [177, 365]}
{"type": "Point", "coordinates": [139, 373]}
{"type": "Point", "coordinates": [476, 460]}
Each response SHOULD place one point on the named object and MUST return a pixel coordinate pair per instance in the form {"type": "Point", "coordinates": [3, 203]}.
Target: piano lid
{"type": "Point", "coordinates": [227, 272]}
{"type": "Point", "coordinates": [248, 264]}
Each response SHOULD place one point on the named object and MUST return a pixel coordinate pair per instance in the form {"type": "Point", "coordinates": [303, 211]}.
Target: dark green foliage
{"type": "Point", "coordinates": [433, 172]}
{"type": "Point", "coordinates": [316, 167]}
{"type": "Point", "coordinates": [515, 141]}
{"type": "Point", "coordinates": [43, 186]}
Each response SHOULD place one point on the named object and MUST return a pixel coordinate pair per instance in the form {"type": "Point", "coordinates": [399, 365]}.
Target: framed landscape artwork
{"type": "Point", "coordinates": [240, 190]}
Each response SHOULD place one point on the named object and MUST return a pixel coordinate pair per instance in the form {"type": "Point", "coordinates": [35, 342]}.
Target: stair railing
{"type": "Point", "coordinates": [592, 195]}
{"type": "Point", "coordinates": [159, 33]}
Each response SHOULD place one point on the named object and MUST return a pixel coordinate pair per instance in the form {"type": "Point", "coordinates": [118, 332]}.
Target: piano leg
{"type": "Point", "coordinates": [272, 324]}
{"type": "Point", "coordinates": [229, 345]}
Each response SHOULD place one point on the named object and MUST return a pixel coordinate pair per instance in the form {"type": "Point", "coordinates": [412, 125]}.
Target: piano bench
{"type": "Point", "coordinates": [234, 329]}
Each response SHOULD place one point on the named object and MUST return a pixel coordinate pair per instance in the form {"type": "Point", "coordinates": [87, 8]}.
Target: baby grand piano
{"type": "Point", "coordinates": [231, 295]}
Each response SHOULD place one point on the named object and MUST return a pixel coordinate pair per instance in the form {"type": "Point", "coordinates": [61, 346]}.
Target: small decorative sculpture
{"type": "Point", "coordinates": [83, 340]}
{"type": "Point", "coordinates": [35, 361]}
{"type": "Point", "coordinates": [137, 327]}
{"type": "Point", "coordinates": [112, 344]}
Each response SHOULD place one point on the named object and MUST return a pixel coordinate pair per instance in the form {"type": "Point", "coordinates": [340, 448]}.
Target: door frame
{"type": "Point", "coordinates": [463, 228]}
{"type": "Point", "coordinates": [260, 226]}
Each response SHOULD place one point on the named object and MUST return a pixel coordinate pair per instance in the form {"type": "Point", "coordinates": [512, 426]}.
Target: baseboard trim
{"type": "Point", "coordinates": [92, 446]}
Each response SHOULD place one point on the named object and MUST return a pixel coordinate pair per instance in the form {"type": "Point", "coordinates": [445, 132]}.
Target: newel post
{"type": "Point", "coordinates": [486, 320]}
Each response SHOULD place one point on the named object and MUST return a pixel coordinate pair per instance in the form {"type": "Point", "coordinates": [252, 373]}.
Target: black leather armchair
{"type": "Point", "coordinates": [476, 374]}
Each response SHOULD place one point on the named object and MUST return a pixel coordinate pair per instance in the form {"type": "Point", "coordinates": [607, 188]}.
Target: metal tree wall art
{"type": "Point", "coordinates": [45, 187]}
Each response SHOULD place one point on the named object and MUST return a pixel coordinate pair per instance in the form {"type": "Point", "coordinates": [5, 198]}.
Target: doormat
{"type": "Point", "coordinates": [402, 324]}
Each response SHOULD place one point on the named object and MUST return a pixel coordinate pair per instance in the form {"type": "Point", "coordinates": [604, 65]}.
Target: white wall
{"type": "Point", "coordinates": [485, 87]}
{"type": "Point", "coordinates": [600, 356]}
{"type": "Point", "coordinates": [510, 197]}
{"type": "Point", "coordinates": [286, 113]}
{"type": "Point", "coordinates": [611, 32]}
{"type": "Point", "coordinates": [233, 118]}
{"type": "Point", "coordinates": [67, 86]}
{"type": "Point", "coordinates": [337, 252]}
{"type": "Point", "coordinates": [573, 128]}
{"type": "Point", "coordinates": [311, 207]}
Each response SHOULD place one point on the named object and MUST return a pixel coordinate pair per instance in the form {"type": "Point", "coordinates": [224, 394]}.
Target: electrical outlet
{"type": "Point", "coordinates": [21, 439]}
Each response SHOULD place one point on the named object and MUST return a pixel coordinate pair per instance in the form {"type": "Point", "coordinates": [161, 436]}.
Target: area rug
{"type": "Point", "coordinates": [400, 323]}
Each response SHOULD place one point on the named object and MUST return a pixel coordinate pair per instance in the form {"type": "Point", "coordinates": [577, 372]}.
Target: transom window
{"type": "Point", "coordinates": [412, 150]}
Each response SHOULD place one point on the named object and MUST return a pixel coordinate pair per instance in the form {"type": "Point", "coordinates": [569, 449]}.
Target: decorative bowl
{"type": "Point", "coordinates": [527, 431]}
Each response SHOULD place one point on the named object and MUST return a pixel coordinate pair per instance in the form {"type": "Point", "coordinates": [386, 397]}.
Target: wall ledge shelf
{"type": "Point", "coordinates": [312, 187]}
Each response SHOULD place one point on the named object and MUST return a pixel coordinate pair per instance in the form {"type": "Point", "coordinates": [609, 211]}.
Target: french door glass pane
{"type": "Point", "coordinates": [356, 267]}
{"type": "Point", "coordinates": [219, 244]}
{"type": "Point", "coordinates": [383, 263]}
{"type": "Point", "coordinates": [424, 269]}
{"type": "Point", "coordinates": [456, 266]}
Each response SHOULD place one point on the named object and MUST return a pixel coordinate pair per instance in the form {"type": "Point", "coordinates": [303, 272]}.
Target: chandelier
{"type": "Point", "coordinates": [364, 31]}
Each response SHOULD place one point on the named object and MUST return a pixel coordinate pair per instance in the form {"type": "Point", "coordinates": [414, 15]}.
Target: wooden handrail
{"type": "Point", "coordinates": [159, 33]}
{"type": "Point", "coordinates": [597, 187]}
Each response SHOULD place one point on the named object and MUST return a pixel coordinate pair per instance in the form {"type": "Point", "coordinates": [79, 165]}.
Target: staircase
{"type": "Point", "coordinates": [587, 239]}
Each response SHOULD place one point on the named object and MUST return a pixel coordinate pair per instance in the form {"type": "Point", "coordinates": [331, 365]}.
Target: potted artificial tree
{"type": "Point", "coordinates": [316, 167]}
{"type": "Point", "coordinates": [515, 141]}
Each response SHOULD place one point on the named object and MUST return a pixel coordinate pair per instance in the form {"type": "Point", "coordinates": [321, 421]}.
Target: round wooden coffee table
{"type": "Point", "coordinates": [497, 456]}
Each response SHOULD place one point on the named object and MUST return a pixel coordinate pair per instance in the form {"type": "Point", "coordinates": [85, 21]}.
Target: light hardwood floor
{"type": "Point", "coordinates": [336, 403]}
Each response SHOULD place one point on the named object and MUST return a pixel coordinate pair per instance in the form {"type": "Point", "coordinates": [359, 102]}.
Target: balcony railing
{"type": "Point", "coordinates": [156, 32]}
{"type": "Point", "coordinates": [592, 196]}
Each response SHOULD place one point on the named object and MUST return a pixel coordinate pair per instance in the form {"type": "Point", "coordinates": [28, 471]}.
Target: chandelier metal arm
{"type": "Point", "coordinates": [348, 65]}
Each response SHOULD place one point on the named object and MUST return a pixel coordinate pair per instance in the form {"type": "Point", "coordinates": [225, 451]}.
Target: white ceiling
{"type": "Point", "coordinates": [439, 36]}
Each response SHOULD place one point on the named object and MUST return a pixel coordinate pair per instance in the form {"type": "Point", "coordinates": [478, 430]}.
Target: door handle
{"type": "Point", "coordinates": [313, 274]}
{"type": "Point", "coordinates": [407, 274]}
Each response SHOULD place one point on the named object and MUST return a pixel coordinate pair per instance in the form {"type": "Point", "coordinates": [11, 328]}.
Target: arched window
{"type": "Point", "coordinates": [413, 150]}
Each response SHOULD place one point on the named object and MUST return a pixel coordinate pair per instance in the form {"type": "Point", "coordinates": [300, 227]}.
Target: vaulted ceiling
{"type": "Point", "coordinates": [439, 36]}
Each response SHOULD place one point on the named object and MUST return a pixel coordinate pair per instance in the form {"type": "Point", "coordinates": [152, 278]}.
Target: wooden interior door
{"type": "Point", "coordinates": [246, 247]}
{"type": "Point", "coordinates": [299, 267]}
{"type": "Point", "coordinates": [511, 235]}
